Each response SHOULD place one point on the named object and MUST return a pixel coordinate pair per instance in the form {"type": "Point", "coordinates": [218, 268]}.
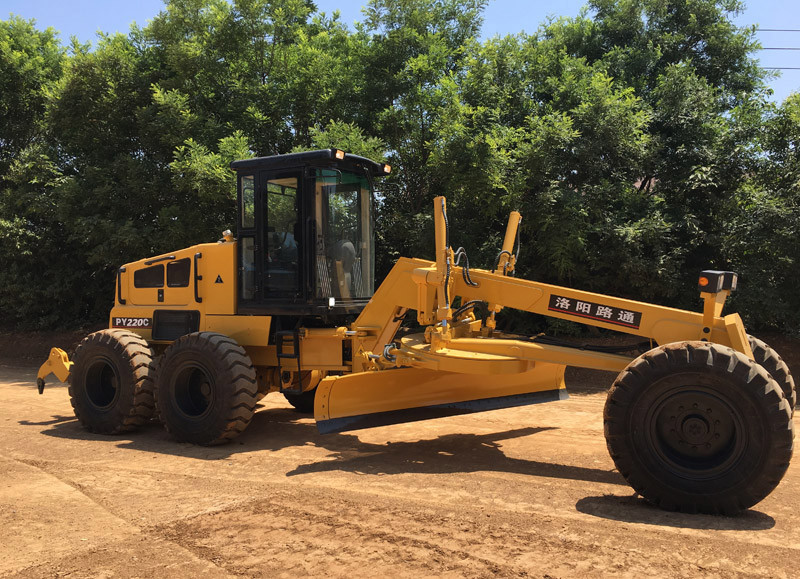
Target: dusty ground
{"type": "Point", "coordinates": [521, 492]}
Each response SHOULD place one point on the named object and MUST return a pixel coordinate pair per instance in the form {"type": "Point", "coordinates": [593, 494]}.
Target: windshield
{"type": "Point", "coordinates": [344, 244]}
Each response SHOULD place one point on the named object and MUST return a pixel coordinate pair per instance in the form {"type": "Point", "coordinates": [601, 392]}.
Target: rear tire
{"type": "Point", "coordinates": [205, 388]}
{"type": "Point", "coordinates": [111, 382]}
{"type": "Point", "coordinates": [698, 427]}
{"type": "Point", "coordinates": [776, 367]}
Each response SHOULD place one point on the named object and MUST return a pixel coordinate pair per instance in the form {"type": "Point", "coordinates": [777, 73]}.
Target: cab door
{"type": "Point", "coordinates": [270, 238]}
{"type": "Point", "coordinates": [281, 279]}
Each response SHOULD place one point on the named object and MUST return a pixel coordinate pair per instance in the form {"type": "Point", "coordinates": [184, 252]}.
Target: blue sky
{"type": "Point", "coordinates": [83, 18]}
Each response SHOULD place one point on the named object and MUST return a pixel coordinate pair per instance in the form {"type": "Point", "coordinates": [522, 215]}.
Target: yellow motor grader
{"type": "Point", "coordinates": [699, 418]}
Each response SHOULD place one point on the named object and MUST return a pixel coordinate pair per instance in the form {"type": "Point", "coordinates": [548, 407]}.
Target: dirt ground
{"type": "Point", "coordinates": [521, 492]}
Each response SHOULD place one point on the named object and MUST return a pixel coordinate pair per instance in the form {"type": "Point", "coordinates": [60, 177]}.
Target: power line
{"type": "Point", "coordinates": [781, 67]}
{"type": "Point", "coordinates": [777, 29]}
{"type": "Point", "coordinates": [779, 48]}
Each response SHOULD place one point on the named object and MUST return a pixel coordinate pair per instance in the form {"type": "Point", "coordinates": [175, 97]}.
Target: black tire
{"type": "Point", "coordinates": [776, 367]}
{"type": "Point", "coordinates": [302, 402]}
{"type": "Point", "coordinates": [205, 388]}
{"type": "Point", "coordinates": [660, 433]}
{"type": "Point", "coordinates": [111, 382]}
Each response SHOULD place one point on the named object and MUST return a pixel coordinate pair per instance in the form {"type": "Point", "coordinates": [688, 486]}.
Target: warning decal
{"type": "Point", "coordinates": [593, 311]}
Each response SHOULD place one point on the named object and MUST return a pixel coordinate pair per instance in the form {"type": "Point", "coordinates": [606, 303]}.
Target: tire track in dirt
{"type": "Point", "coordinates": [521, 492]}
{"type": "Point", "coordinates": [107, 526]}
{"type": "Point", "coordinates": [308, 530]}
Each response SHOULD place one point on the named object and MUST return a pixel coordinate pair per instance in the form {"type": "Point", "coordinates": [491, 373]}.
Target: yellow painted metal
{"type": "Point", "coordinates": [453, 349]}
{"type": "Point", "coordinates": [321, 351]}
{"type": "Point", "coordinates": [662, 324]}
{"type": "Point", "coordinates": [452, 361]}
{"type": "Point", "coordinates": [712, 309]}
{"type": "Point", "coordinates": [415, 351]}
{"type": "Point", "coordinates": [737, 335]}
{"type": "Point", "coordinates": [496, 356]}
{"type": "Point", "coordinates": [378, 322]}
{"type": "Point", "coordinates": [444, 260]}
{"type": "Point", "coordinates": [246, 330]}
{"type": "Point", "coordinates": [57, 363]}
{"type": "Point", "coordinates": [216, 265]}
{"type": "Point", "coordinates": [403, 388]}
{"type": "Point", "coordinates": [507, 259]}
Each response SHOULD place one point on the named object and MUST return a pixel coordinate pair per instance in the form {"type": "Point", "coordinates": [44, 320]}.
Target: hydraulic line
{"type": "Point", "coordinates": [467, 306]}
{"type": "Point", "coordinates": [509, 254]}
{"type": "Point", "coordinates": [461, 252]}
{"type": "Point", "coordinates": [516, 251]}
{"type": "Point", "coordinates": [447, 251]}
{"type": "Point", "coordinates": [497, 259]}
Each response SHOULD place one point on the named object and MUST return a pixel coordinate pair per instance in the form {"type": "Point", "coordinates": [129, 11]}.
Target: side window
{"type": "Point", "coordinates": [178, 273]}
{"type": "Point", "coordinates": [248, 209]}
{"type": "Point", "coordinates": [152, 276]}
{"type": "Point", "coordinates": [345, 263]}
{"type": "Point", "coordinates": [247, 269]}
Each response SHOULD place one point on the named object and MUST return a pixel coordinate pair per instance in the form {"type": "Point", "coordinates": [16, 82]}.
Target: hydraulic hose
{"type": "Point", "coordinates": [447, 251]}
{"type": "Point", "coordinates": [516, 251]}
{"type": "Point", "coordinates": [468, 306]}
{"type": "Point", "coordinates": [497, 259]}
{"type": "Point", "coordinates": [461, 252]}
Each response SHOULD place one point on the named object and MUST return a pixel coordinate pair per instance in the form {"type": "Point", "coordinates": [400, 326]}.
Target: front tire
{"type": "Point", "coordinates": [698, 427]}
{"type": "Point", "coordinates": [111, 382]}
{"type": "Point", "coordinates": [205, 388]}
{"type": "Point", "coordinates": [303, 402]}
{"type": "Point", "coordinates": [777, 368]}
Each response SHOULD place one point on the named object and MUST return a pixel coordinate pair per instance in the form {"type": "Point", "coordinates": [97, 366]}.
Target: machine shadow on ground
{"type": "Point", "coordinates": [278, 428]}
{"type": "Point", "coordinates": [582, 381]}
{"type": "Point", "coordinates": [275, 429]}
{"type": "Point", "coordinates": [634, 509]}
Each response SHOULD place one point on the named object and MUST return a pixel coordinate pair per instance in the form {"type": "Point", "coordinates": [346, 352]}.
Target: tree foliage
{"type": "Point", "coordinates": [636, 138]}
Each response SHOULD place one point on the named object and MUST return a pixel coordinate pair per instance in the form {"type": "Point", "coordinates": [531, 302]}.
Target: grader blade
{"type": "Point", "coordinates": [380, 398]}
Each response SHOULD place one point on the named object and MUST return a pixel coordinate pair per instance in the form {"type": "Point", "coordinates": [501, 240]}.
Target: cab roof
{"type": "Point", "coordinates": [320, 157]}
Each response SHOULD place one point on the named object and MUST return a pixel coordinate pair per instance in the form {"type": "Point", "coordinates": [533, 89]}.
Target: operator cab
{"type": "Point", "coordinates": [305, 233]}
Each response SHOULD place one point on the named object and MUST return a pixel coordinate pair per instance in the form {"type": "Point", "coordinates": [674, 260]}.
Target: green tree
{"type": "Point", "coordinates": [636, 139]}
{"type": "Point", "coordinates": [31, 63]}
{"type": "Point", "coordinates": [763, 239]}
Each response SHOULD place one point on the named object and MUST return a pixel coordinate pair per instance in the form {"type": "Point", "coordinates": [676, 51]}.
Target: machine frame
{"type": "Point", "coordinates": [204, 360]}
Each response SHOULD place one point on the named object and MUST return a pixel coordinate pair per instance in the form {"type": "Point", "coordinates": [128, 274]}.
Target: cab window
{"type": "Point", "coordinates": [152, 276]}
{"type": "Point", "coordinates": [178, 273]}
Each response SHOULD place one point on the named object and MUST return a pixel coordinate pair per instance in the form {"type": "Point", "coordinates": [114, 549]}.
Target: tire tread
{"type": "Point", "coordinates": [236, 371]}
{"type": "Point", "coordinates": [136, 360]}
{"type": "Point", "coordinates": [756, 383]}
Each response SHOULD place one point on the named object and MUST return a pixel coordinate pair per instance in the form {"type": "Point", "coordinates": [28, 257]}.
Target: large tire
{"type": "Point", "coordinates": [205, 388]}
{"type": "Point", "coordinates": [303, 402]}
{"type": "Point", "coordinates": [698, 427]}
{"type": "Point", "coordinates": [111, 382]}
{"type": "Point", "coordinates": [776, 367]}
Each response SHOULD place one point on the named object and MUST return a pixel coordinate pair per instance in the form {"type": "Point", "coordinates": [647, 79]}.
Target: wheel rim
{"type": "Point", "coordinates": [695, 432]}
{"type": "Point", "coordinates": [193, 391]}
{"type": "Point", "coordinates": [102, 383]}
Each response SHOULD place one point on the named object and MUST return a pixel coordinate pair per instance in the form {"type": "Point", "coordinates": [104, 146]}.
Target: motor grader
{"type": "Point", "coordinates": [699, 418]}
